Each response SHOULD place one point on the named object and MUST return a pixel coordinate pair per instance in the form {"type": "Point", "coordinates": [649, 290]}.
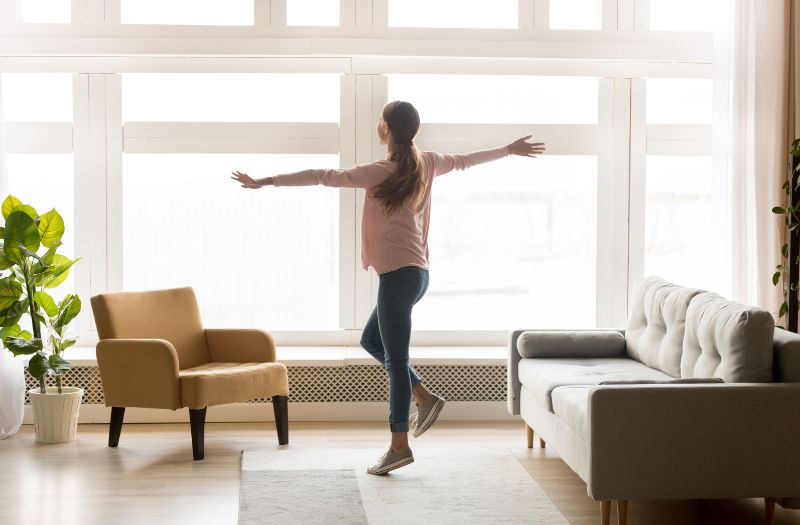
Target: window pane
{"type": "Point", "coordinates": [513, 243]}
{"type": "Point", "coordinates": [681, 243]}
{"type": "Point", "coordinates": [45, 11]}
{"type": "Point", "coordinates": [454, 13]}
{"type": "Point", "coordinates": [689, 15]}
{"type": "Point", "coordinates": [312, 12]}
{"type": "Point", "coordinates": [679, 100]}
{"type": "Point", "coordinates": [37, 97]}
{"type": "Point", "coordinates": [188, 12]}
{"type": "Point", "coordinates": [498, 98]}
{"type": "Point", "coordinates": [46, 182]}
{"type": "Point", "coordinates": [575, 14]}
{"type": "Point", "coordinates": [265, 258]}
{"type": "Point", "coordinates": [230, 97]}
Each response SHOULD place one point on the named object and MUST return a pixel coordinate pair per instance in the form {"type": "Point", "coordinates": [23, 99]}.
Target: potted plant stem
{"type": "Point", "coordinates": [23, 294]}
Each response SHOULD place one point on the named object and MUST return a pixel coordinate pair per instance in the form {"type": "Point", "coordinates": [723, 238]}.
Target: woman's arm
{"type": "Point", "coordinates": [445, 163]}
{"type": "Point", "coordinates": [355, 177]}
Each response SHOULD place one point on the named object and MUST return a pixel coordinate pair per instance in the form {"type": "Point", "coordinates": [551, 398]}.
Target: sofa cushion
{"type": "Point", "coordinates": [571, 404]}
{"type": "Point", "coordinates": [542, 375]}
{"type": "Point", "coordinates": [656, 324]}
{"type": "Point", "coordinates": [727, 339]}
{"type": "Point", "coordinates": [571, 343]}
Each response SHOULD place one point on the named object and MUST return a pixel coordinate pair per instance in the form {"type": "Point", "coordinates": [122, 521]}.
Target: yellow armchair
{"type": "Point", "coordinates": [154, 353]}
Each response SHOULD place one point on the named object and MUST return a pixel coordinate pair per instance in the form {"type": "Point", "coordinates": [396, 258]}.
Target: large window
{"type": "Point", "coordinates": [135, 143]}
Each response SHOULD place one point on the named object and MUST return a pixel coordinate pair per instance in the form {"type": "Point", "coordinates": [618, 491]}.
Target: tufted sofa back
{"type": "Point", "coordinates": [728, 340]}
{"type": "Point", "coordinates": [656, 323]}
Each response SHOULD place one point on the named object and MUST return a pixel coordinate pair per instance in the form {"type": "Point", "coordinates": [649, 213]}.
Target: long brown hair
{"type": "Point", "coordinates": [408, 182]}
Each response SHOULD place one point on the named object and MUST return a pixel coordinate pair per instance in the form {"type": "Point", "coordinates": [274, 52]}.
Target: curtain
{"type": "Point", "coordinates": [3, 160]}
{"type": "Point", "coordinates": [761, 93]}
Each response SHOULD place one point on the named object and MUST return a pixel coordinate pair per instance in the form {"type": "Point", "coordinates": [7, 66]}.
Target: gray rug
{"type": "Point", "coordinates": [444, 486]}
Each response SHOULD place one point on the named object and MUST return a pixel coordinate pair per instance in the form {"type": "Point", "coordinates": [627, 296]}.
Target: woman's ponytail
{"type": "Point", "coordinates": [408, 182]}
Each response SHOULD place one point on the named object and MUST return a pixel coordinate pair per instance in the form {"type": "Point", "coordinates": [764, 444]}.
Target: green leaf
{"type": "Point", "coordinates": [68, 309]}
{"type": "Point", "coordinates": [51, 228]}
{"type": "Point", "coordinates": [775, 278]}
{"type": "Point", "coordinates": [57, 273]}
{"type": "Point", "coordinates": [21, 230]}
{"type": "Point", "coordinates": [38, 366]}
{"type": "Point", "coordinates": [10, 331]}
{"type": "Point", "coordinates": [5, 262]}
{"type": "Point", "coordinates": [778, 210]}
{"type": "Point", "coordinates": [25, 335]}
{"type": "Point", "coordinates": [9, 204]}
{"type": "Point", "coordinates": [47, 303]}
{"type": "Point", "coordinates": [21, 346]}
{"type": "Point", "coordinates": [58, 364]}
{"type": "Point", "coordinates": [48, 256]}
{"type": "Point", "coordinates": [66, 343]}
{"type": "Point", "coordinates": [10, 292]}
{"type": "Point", "coordinates": [782, 310]}
{"type": "Point", "coordinates": [785, 250]}
{"type": "Point", "coordinates": [29, 211]}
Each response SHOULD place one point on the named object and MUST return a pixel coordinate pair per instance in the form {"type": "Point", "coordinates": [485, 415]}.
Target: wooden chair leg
{"type": "Point", "coordinates": [530, 435]}
{"type": "Point", "coordinates": [622, 511]}
{"type": "Point", "coordinates": [605, 512]}
{"type": "Point", "coordinates": [542, 444]}
{"type": "Point", "coordinates": [769, 507]}
{"type": "Point", "coordinates": [115, 425]}
{"type": "Point", "coordinates": [281, 406]}
{"type": "Point", "coordinates": [197, 421]}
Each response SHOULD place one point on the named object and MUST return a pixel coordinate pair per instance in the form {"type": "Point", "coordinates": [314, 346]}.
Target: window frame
{"type": "Point", "coordinates": [362, 49]}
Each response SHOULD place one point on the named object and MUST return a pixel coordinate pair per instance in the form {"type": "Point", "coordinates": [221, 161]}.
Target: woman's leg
{"type": "Point", "coordinates": [398, 292]}
{"type": "Point", "coordinates": [372, 343]}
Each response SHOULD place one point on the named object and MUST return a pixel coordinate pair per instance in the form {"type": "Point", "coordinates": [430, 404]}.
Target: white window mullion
{"type": "Point", "coordinates": [638, 160]}
{"type": "Point", "coordinates": [261, 15]}
{"type": "Point", "coordinates": [541, 14]}
{"type": "Point", "coordinates": [526, 10]}
{"type": "Point", "coordinates": [8, 13]}
{"type": "Point", "coordinates": [612, 203]}
{"type": "Point", "coordinates": [380, 13]}
{"type": "Point", "coordinates": [626, 14]}
{"type": "Point", "coordinates": [609, 18]}
{"type": "Point", "coordinates": [348, 241]}
{"type": "Point", "coordinates": [277, 13]}
{"type": "Point", "coordinates": [642, 15]}
{"type": "Point", "coordinates": [347, 13]}
{"type": "Point", "coordinates": [113, 122]}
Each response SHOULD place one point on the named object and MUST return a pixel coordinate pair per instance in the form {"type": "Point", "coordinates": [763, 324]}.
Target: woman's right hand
{"type": "Point", "coordinates": [245, 180]}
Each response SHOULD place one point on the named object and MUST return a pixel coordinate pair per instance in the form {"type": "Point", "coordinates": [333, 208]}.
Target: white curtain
{"type": "Point", "coordinates": [3, 160]}
{"type": "Point", "coordinates": [760, 49]}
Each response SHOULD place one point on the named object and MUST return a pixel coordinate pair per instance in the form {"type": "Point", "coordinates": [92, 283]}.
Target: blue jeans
{"type": "Point", "coordinates": [387, 334]}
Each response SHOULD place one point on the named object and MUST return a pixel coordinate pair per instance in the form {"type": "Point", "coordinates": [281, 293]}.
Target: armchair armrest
{"type": "Point", "coordinates": [240, 345]}
{"type": "Point", "coordinates": [139, 373]}
{"type": "Point", "coordinates": [694, 441]}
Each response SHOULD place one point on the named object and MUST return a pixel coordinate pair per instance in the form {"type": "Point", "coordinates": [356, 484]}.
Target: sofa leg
{"type": "Point", "coordinates": [769, 507]}
{"type": "Point", "coordinates": [622, 511]}
{"type": "Point", "coordinates": [605, 512]}
{"type": "Point", "coordinates": [115, 425]}
{"type": "Point", "coordinates": [530, 435]}
{"type": "Point", "coordinates": [281, 406]}
{"type": "Point", "coordinates": [197, 421]}
{"type": "Point", "coordinates": [542, 444]}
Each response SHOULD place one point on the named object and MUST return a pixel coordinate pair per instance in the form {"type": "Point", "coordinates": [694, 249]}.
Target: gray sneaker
{"type": "Point", "coordinates": [390, 461]}
{"type": "Point", "coordinates": [427, 414]}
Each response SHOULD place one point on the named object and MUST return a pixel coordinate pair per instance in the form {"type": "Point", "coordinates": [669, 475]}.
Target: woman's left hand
{"type": "Point", "coordinates": [245, 180]}
{"type": "Point", "coordinates": [524, 148]}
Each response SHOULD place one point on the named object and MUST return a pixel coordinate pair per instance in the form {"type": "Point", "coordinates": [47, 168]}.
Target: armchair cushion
{"type": "Point", "coordinates": [220, 383]}
{"type": "Point", "coordinates": [571, 343]}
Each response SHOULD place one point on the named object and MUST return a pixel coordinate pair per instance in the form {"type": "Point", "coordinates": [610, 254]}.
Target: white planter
{"type": "Point", "coordinates": [55, 416]}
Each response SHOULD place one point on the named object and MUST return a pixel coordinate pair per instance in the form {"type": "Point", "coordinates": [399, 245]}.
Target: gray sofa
{"type": "Point", "coordinates": [641, 413]}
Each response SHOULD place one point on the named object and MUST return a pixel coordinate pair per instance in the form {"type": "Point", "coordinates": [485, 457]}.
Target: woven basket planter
{"type": "Point", "coordinates": [55, 416]}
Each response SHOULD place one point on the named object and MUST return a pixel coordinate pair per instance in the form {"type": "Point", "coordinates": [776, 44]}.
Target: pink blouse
{"type": "Point", "coordinates": [401, 238]}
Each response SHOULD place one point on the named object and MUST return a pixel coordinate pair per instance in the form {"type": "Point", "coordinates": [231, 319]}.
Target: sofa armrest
{"type": "Point", "coordinates": [571, 343]}
{"type": "Point", "coordinates": [694, 441]}
{"type": "Point", "coordinates": [514, 357]}
{"type": "Point", "coordinates": [227, 345]}
{"type": "Point", "coordinates": [139, 373]}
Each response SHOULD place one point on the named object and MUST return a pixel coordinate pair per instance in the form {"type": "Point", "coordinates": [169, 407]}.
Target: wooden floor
{"type": "Point", "coordinates": [151, 478]}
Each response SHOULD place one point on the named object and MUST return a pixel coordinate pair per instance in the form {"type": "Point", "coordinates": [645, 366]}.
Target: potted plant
{"type": "Point", "coordinates": [22, 293]}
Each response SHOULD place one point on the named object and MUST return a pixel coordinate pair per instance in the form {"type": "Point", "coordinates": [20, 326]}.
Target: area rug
{"type": "Point", "coordinates": [443, 486]}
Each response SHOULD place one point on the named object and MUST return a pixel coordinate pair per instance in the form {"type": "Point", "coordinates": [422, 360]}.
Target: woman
{"type": "Point", "coordinates": [394, 242]}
